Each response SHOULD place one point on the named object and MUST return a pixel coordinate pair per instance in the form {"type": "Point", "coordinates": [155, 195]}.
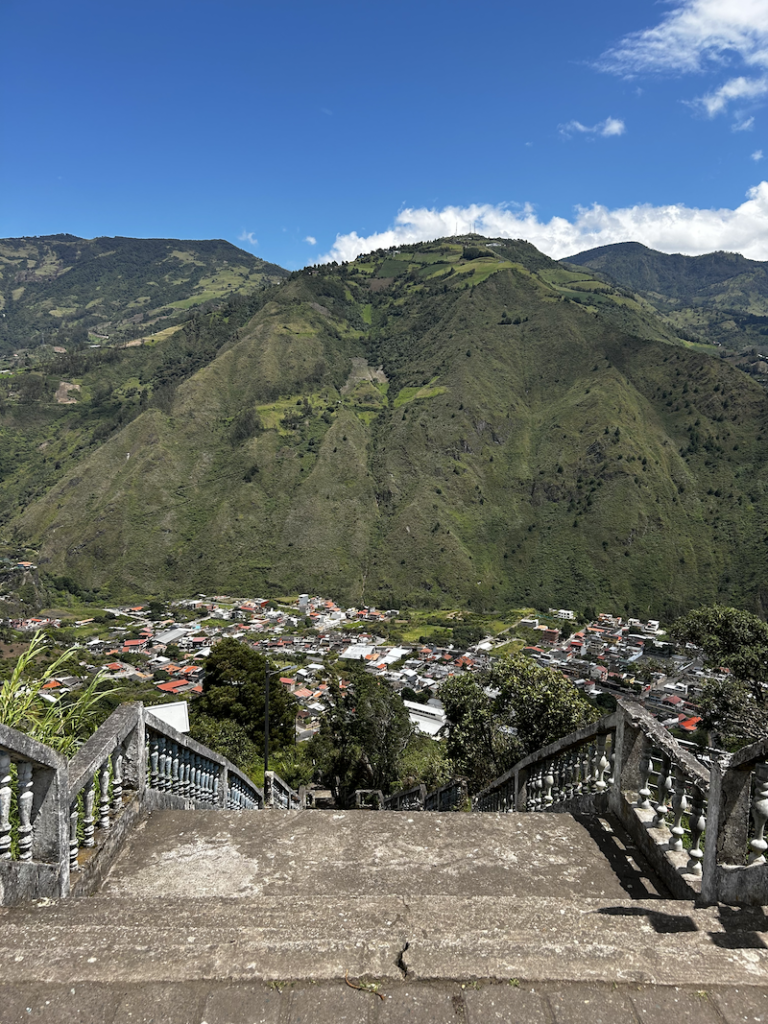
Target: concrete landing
{"type": "Point", "coordinates": [308, 853]}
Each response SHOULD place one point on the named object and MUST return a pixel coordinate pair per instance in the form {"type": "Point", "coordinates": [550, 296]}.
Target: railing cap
{"type": "Point", "coordinates": [23, 748]}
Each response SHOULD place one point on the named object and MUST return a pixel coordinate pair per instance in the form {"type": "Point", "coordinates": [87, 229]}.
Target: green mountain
{"type": "Point", "coordinates": [60, 290]}
{"type": "Point", "coordinates": [459, 421]}
{"type": "Point", "coordinates": [720, 298]}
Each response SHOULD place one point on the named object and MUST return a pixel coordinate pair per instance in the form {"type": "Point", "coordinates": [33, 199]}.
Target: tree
{"type": "Point", "coordinates": [498, 717]}
{"type": "Point", "coordinates": [363, 736]}
{"type": "Point", "coordinates": [234, 689]}
{"type": "Point", "coordinates": [737, 641]}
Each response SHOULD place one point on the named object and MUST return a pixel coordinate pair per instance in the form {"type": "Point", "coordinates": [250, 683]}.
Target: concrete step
{"type": "Point", "coordinates": [226, 1002]}
{"type": "Point", "coordinates": [364, 852]}
{"type": "Point", "coordinates": [425, 938]}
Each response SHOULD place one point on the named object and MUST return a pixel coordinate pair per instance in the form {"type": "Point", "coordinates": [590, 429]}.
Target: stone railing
{"type": "Point", "coordinates": [33, 830]}
{"type": "Point", "coordinates": [627, 764]}
{"type": "Point", "coordinates": [451, 797]}
{"type": "Point", "coordinates": [278, 793]}
{"type": "Point", "coordinates": [62, 823]}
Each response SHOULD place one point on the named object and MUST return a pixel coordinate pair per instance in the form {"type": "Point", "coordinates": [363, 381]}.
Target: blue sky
{"type": "Point", "coordinates": [304, 131]}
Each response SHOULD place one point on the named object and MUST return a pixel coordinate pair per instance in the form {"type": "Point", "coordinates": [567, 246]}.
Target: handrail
{"type": "Point", "coordinates": [61, 820]}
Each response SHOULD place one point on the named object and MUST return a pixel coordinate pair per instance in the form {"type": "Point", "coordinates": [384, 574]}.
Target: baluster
{"type": "Point", "coordinates": [698, 823]}
{"type": "Point", "coordinates": [183, 772]}
{"type": "Point", "coordinates": [612, 761]}
{"type": "Point", "coordinates": [548, 781]}
{"type": "Point", "coordinates": [5, 805]}
{"type": "Point", "coordinates": [567, 780]}
{"type": "Point", "coordinates": [154, 761]}
{"type": "Point", "coordinates": [664, 786]}
{"type": "Point", "coordinates": [89, 795]}
{"type": "Point", "coordinates": [117, 779]}
{"type": "Point", "coordinates": [679, 808]}
{"type": "Point", "coordinates": [175, 768]}
{"type": "Point", "coordinates": [601, 765]}
{"type": "Point", "coordinates": [165, 765]}
{"type": "Point", "coordinates": [206, 781]}
{"type": "Point", "coordinates": [197, 764]}
{"type": "Point", "coordinates": [24, 772]}
{"type": "Point", "coordinates": [104, 821]}
{"type": "Point", "coordinates": [559, 776]}
{"type": "Point", "coordinates": [537, 787]}
{"type": "Point", "coordinates": [74, 845]}
{"type": "Point", "coordinates": [646, 767]}
{"type": "Point", "coordinates": [759, 814]}
{"type": "Point", "coordinates": [586, 761]}
{"type": "Point", "coordinates": [215, 787]}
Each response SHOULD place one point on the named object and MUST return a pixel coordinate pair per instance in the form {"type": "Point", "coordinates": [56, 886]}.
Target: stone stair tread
{"type": "Point", "coordinates": [305, 852]}
{"type": "Point", "coordinates": [107, 938]}
{"type": "Point", "coordinates": [224, 1002]}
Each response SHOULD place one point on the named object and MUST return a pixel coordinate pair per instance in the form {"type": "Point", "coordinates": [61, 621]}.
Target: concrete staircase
{"type": "Point", "coordinates": [223, 917]}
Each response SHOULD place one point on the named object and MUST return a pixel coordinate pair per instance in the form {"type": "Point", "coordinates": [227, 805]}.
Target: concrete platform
{"type": "Point", "coordinates": [359, 852]}
{"type": "Point", "coordinates": [212, 917]}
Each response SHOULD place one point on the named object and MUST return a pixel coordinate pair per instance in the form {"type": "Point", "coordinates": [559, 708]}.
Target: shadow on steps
{"type": "Point", "coordinates": [633, 871]}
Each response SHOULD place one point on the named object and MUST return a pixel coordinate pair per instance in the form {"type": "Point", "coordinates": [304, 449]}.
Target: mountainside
{"type": "Point", "coordinates": [58, 290]}
{"type": "Point", "coordinates": [722, 297]}
{"type": "Point", "coordinates": [458, 421]}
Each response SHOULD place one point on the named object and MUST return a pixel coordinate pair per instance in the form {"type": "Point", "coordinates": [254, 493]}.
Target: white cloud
{"type": "Point", "coordinates": [249, 237]}
{"type": "Point", "coordinates": [311, 239]}
{"type": "Point", "coordinates": [736, 89]}
{"type": "Point", "coordinates": [744, 124]}
{"type": "Point", "coordinates": [692, 36]}
{"type": "Point", "coordinates": [696, 36]}
{"type": "Point", "coordinates": [757, 155]}
{"type": "Point", "coordinates": [610, 126]}
{"type": "Point", "coordinates": [674, 228]}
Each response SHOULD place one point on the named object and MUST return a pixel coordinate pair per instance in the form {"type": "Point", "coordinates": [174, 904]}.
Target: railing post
{"type": "Point", "coordinates": [628, 767]}
{"type": "Point", "coordinates": [134, 762]}
{"type": "Point", "coordinates": [727, 825]}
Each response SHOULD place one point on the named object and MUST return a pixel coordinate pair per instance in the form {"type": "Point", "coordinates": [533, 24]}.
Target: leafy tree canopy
{"type": "Point", "coordinates": [234, 690]}
{"type": "Point", "coordinates": [498, 717]}
{"type": "Point", "coordinates": [735, 706]}
{"type": "Point", "coordinates": [363, 736]}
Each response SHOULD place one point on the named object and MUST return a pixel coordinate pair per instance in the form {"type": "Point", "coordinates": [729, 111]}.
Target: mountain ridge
{"type": "Point", "coordinates": [540, 438]}
{"type": "Point", "coordinates": [60, 290]}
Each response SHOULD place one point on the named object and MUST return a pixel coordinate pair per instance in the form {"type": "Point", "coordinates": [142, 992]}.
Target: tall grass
{"type": "Point", "coordinates": [63, 722]}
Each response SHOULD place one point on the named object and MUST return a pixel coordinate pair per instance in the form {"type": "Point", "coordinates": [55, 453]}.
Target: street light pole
{"type": "Point", "coordinates": [267, 676]}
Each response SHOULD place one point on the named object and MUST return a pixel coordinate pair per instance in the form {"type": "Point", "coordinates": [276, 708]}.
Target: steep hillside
{"type": "Point", "coordinates": [58, 290]}
{"type": "Point", "coordinates": [456, 421]}
{"type": "Point", "coordinates": [720, 297]}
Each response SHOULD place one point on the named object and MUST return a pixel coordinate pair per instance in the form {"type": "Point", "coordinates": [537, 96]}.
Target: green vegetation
{"type": "Point", "coordinates": [62, 723]}
{"type": "Point", "coordinates": [735, 643]}
{"type": "Point", "coordinates": [364, 735]}
{"type": "Point", "coordinates": [532, 706]}
{"type": "Point", "coordinates": [229, 714]}
{"type": "Point", "coordinates": [717, 299]}
{"type": "Point", "coordinates": [64, 291]}
{"type": "Point", "coordinates": [471, 437]}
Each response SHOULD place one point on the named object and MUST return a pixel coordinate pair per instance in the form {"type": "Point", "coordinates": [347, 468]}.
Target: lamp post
{"type": "Point", "coordinates": [268, 673]}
